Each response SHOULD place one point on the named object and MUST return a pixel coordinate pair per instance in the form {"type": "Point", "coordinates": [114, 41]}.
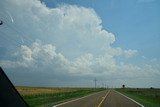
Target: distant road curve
{"type": "Point", "coordinates": [116, 99]}
{"type": "Point", "coordinates": [92, 100]}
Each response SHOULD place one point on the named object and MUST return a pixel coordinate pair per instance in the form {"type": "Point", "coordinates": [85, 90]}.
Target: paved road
{"type": "Point", "coordinates": [89, 101]}
{"type": "Point", "coordinates": [103, 99]}
{"type": "Point", "coordinates": [115, 99]}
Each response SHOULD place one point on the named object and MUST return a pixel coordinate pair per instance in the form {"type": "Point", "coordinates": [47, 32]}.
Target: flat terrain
{"type": "Point", "coordinates": [88, 101]}
{"type": "Point", "coordinates": [149, 97]}
{"type": "Point", "coordinates": [88, 97]}
{"type": "Point", "coordinates": [43, 90]}
{"type": "Point", "coordinates": [47, 97]}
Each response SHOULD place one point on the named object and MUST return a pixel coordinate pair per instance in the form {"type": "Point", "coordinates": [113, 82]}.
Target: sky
{"type": "Point", "coordinates": [69, 43]}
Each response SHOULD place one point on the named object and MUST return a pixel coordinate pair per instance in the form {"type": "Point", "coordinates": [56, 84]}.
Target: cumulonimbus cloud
{"type": "Point", "coordinates": [71, 40]}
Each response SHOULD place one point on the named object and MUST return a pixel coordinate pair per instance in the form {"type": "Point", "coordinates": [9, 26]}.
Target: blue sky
{"type": "Point", "coordinates": [71, 42]}
{"type": "Point", "coordinates": [135, 23]}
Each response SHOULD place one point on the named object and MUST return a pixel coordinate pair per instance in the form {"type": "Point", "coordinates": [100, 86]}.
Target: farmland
{"type": "Point", "coordinates": [147, 97]}
{"type": "Point", "coordinates": [43, 90]}
{"type": "Point", "coordinates": [46, 97]}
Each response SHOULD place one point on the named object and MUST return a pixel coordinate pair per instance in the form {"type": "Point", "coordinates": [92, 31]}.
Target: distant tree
{"type": "Point", "coordinates": [123, 86]}
{"type": "Point", "coordinates": [151, 88]}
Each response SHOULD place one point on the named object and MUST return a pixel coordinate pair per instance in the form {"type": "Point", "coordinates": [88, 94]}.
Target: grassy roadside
{"type": "Point", "coordinates": [49, 98]}
{"type": "Point", "coordinates": [147, 97]}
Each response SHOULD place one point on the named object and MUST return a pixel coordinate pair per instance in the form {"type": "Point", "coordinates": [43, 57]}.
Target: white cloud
{"type": "Point", "coordinates": [130, 53]}
{"type": "Point", "coordinates": [71, 40]}
{"type": "Point", "coordinates": [68, 26]}
{"type": "Point", "coordinates": [46, 55]}
{"type": "Point", "coordinates": [41, 56]}
{"type": "Point", "coordinates": [120, 52]}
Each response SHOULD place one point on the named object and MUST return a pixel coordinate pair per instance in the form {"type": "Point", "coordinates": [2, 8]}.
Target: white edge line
{"type": "Point", "coordinates": [130, 99]}
{"type": "Point", "coordinates": [76, 99]}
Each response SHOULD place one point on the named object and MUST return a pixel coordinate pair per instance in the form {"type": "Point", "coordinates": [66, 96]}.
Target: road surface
{"type": "Point", "coordinates": [102, 99]}
{"type": "Point", "coordinates": [89, 101]}
{"type": "Point", "coordinates": [116, 99]}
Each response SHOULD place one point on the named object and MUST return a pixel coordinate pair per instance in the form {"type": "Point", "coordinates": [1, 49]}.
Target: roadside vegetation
{"type": "Point", "coordinates": [47, 97]}
{"type": "Point", "coordinates": [149, 97]}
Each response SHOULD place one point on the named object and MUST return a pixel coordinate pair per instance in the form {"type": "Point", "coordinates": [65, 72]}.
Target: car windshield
{"type": "Point", "coordinates": [73, 48]}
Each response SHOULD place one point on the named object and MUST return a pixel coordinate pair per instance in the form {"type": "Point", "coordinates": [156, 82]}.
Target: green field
{"type": "Point", "coordinates": [47, 97]}
{"type": "Point", "coordinates": [147, 97]}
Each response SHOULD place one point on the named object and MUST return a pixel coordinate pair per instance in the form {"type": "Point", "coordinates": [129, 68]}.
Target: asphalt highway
{"type": "Point", "coordinates": [89, 101]}
{"type": "Point", "coordinates": [102, 99]}
{"type": "Point", "coordinates": [116, 99]}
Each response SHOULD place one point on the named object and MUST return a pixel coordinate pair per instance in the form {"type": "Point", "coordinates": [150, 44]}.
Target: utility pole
{"type": "Point", "coordinates": [95, 80]}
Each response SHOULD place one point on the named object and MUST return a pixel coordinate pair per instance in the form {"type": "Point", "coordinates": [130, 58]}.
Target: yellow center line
{"type": "Point", "coordinates": [103, 99]}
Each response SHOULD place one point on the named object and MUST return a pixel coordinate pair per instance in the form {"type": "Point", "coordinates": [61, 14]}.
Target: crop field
{"type": "Point", "coordinates": [43, 90]}
{"type": "Point", "coordinates": [47, 97]}
{"type": "Point", "coordinates": [147, 97]}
